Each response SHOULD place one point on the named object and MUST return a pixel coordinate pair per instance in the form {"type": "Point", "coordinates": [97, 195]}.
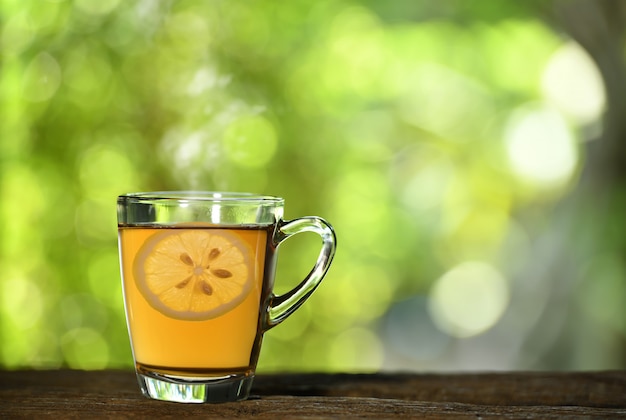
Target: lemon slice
{"type": "Point", "coordinates": [193, 274]}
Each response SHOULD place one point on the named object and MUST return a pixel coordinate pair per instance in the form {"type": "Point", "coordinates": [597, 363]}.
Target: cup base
{"type": "Point", "coordinates": [229, 388]}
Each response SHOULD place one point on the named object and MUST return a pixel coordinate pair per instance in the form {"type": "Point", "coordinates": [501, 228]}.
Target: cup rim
{"type": "Point", "coordinates": [202, 196]}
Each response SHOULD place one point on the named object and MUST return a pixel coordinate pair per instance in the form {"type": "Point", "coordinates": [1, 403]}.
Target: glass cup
{"type": "Point", "coordinates": [198, 275]}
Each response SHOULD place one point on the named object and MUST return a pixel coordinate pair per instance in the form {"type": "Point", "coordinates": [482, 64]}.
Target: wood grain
{"type": "Point", "coordinates": [115, 394]}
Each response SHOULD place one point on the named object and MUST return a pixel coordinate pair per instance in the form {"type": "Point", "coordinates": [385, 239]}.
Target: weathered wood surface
{"type": "Point", "coordinates": [115, 394]}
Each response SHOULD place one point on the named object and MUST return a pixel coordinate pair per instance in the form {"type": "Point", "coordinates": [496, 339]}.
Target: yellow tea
{"type": "Point", "coordinates": [193, 296]}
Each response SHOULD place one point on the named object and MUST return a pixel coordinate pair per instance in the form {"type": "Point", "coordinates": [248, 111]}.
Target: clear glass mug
{"type": "Point", "coordinates": [198, 274]}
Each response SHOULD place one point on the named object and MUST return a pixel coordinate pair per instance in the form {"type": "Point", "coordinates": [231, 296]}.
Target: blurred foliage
{"type": "Point", "coordinates": [441, 139]}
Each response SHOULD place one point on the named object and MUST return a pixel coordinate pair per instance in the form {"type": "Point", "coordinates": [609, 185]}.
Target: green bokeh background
{"type": "Point", "coordinates": [470, 156]}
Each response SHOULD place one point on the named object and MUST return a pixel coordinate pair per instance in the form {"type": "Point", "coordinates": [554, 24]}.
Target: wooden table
{"type": "Point", "coordinates": [115, 394]}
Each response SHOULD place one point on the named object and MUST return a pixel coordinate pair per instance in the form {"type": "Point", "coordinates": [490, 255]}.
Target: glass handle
{"type": "Point", "coordinates": [281, 306]}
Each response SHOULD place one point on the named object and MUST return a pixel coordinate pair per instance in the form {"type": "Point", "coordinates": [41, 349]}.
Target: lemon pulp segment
{"type": "Point", "coordinates": [193, 274]}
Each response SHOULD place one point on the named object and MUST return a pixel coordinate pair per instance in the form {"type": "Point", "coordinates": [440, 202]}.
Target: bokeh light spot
{"type": "Point", "coordinates": [356, 45]}
{"type": "Point", "coordinates": [95, 221]}
{"type": "Point", "coordinates": [540, 146]}
{"type": "Point", "coordinates": [572, 82]}
{"type": "Point", "coordinates": [296, 325]}
{"type": "Point", "coordinates": [427, 102]}
{"type": "Point", "coordinates": [87, 72]}
{"type": "Point", "coordinates": [250, 141]}
{"type": "Point", "coordinates": [99, 7]}
{"type": "Point", "coordinates": [22, 302]}
{"type": "Point", "coordinates": [85, 348]}
{"type": "Point", "coordinates": [105, 171]}
{"type": "Point", "coordinates": [340, 306]}
{"type": "Point", "coordinates": [356, 349]}
{"type": "Point", "coordinates": [368, 191]}
{"type": "Point", "coordinates": [189, 36]}
{"type": "Point", "coordinates": [469, 299]}
{"type": "Point", "coordinates": [426, 189]}
{"type": "Point", "coordinates": [16, 34]}
{"type": "Point", "coordinates": [42, 78]}
{"type": "Point", "coordinates": [83, 310]}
